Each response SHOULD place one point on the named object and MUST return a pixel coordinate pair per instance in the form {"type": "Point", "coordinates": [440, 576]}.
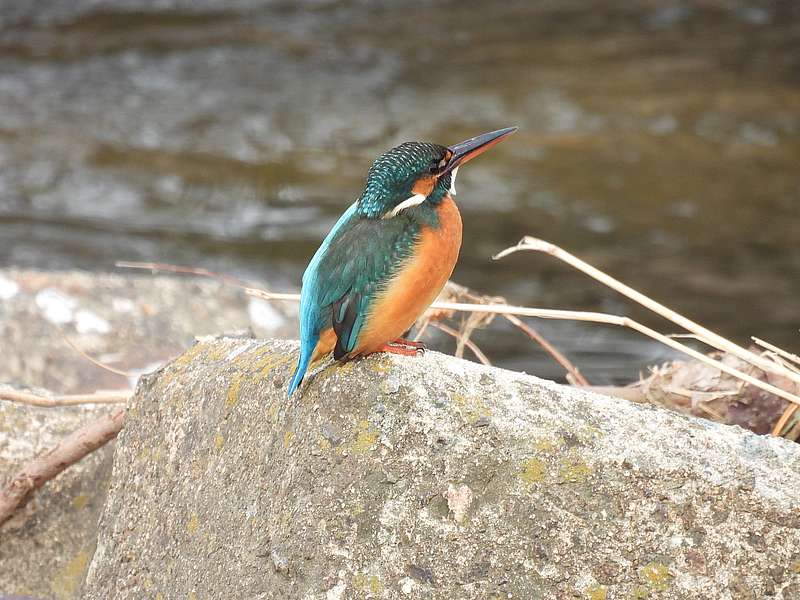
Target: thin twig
{"type": "Point", "coordinates": [632, 394]}
{"type": "Point", "coordinates": [549, 348]}
{"type": "Point", "coordinates": [421, 329]}
{"type": "Point", "coordinates": [120, 397]}
{"type": "Point", "coordinates": [504, 309]}
{"type": "Point", "coordinates": [70, 450]}
{"type": "Point", "coordinates": [781, 361]}
{"type": "Point", "coordinates": [167, 268]}
{"type": "Point", "coordinates": [780, 351]}
{"type": "Point", "coordinates": [94, 361]}
{"type": "Point", "coordinates": [781, 423]}
{"type": "Point", "coordinates": [708, 336]}
{"type": "Point", "coordinates": [595, 317]}
{"type": "Point", "coordinates": [230, 280]}
{"type": "Point", "coordinates": [468, 343]}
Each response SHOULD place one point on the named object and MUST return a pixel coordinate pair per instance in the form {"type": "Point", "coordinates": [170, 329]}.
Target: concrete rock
{"type": "Point", "coordinates": [45, 549]}
{"type": "Point", "coordinates": [432, 477]}
{"type": "Point", "coordinates": [132, 322]}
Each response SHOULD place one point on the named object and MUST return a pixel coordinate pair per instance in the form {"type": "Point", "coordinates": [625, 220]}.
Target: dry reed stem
{"type": "Point", "coordinates": [68, 400]}
{"type": "Point", "coordinates": [708, 336]}
{"type": "Point", "coordinates": [574, 377]}
{"type": "Point", "coordinates": [67, 452]}
{"type": "Point", "coordinates": [543, 313]}
{"type": "Point", "coordinates": [549, 348]}
{"type": "Point", "coordinates": [779, 351]}
{"type": "Point", "coordinates": [781, 423]}
{"type": "Point", "coordinates": [467, 342]}
{"type": "Point", "coordinates": [594, 317]}
{"type": "Point", "coordinates": [422, 329]}
{"type": "Point", "coordinates": [266, 295]}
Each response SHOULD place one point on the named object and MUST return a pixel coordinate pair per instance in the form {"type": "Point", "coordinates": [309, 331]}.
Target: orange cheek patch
{"type": "Point", "coordinates": [424, 185]}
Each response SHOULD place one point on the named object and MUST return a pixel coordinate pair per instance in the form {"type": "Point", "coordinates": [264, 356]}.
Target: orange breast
{"type": "Point", "coordinates": [417, 284]}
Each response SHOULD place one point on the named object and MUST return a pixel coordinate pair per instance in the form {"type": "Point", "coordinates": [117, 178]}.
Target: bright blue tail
{"type": "Point", "coordinates": [312, 317]}
{"type": "Point", "coordinates": [306, 350]}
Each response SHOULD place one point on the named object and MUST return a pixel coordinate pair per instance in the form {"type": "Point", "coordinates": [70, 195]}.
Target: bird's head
{"type": "Point", "coordinates": [417, 172]}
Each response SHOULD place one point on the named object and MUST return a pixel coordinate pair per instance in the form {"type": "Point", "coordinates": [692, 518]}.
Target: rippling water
{"type": "Point", "coordinates": [658, 140]}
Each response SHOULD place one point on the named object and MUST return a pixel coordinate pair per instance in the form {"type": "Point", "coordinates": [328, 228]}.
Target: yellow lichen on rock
{"type": "Point", "coordinates": [232, 396]}
{"type": "Point", "coordinates": [471, 408]}
{"type": "Point", "coordinates": [533, 471]}
{"type": "Point", "coordinates": [366, 436]}
{"type": "Point", "coordinates": [367, 583]}
{"type": "Point", "coordinates": [188, 357]}
{"type": "Point", "coordinates": [269, 362]}
{"type": "Point", "coordinates": [69, 579]}
{"type": "Point", "coordinates": [287, 438]}
{"type": "Point", "coordinates": [193, 524]}
{"type": "Point", "coordinates": [596, 592]}
{"type": "Point", "coordinates": [573, 469]}
{"type": "Point", "coordinates": [656, 575]}
{"type": "Point", "coordinates": [544, 445]}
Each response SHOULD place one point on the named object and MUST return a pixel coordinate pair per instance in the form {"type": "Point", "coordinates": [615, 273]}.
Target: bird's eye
{"type": "Point", "coordinates": [437, 165]}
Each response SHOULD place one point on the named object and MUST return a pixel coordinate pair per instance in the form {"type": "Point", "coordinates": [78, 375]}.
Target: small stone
{"type": "Point", "coordinates": [336, 592]}
{"type": "Point", "coordinates": [279, 560]}
{"type": "Point", "coordinates": [263, 316]}
{"type": "Point", "coordinates": [406, 585]}
{"type": "Point", "coordinates": [56, 306]}
{"type": "Point", "coordinates": [331, 434]}
{"type": "Point", "coordinates": [459, 500]}
{"type": "Point", "coordinates": [88, 322]}
{"type": "Point", "coordinates": [421, 574]}
{"type": "Point", "coordinates": [8, 288]}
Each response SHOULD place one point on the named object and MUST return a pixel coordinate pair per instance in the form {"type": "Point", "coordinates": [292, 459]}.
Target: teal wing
{"type": "Point", "coordinates": [359, 263]}
{"type": "Point", "coordinates": [355, 260]}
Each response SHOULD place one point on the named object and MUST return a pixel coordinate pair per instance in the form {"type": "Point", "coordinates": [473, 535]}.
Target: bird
{"type": "Point", "coordinates": [388, 256]}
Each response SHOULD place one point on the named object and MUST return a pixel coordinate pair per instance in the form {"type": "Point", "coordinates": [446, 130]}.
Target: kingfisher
{"type": "Point", "coordinates": [388, 256]}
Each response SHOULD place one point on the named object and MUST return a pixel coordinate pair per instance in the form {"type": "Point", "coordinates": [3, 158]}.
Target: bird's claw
{"type": "Point", "coordinates": [403, 347]}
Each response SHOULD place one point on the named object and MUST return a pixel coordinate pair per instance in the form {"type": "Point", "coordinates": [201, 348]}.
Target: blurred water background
{"type": "Point", "coordinates": [659, 140]}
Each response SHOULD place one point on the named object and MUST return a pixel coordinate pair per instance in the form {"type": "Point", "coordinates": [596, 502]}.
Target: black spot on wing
{"type": "Point", "coordinates": [345, 314]}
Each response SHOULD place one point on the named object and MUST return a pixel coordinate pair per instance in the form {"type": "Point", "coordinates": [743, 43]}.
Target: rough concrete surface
{"type": "Point", "coordinates": [134, 323]}
{"type": "Point", "coordinates": [432, 477]}
{"type": "Point", "coordinates": [45, 549]}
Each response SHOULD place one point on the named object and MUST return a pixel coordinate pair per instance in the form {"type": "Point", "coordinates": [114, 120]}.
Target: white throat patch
{"type": "Point", "coordinates": [453, 174]}
{"type": "Point", "coordinates": [415, 200]}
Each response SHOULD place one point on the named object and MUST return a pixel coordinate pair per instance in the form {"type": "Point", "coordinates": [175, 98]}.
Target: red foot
{"type": "Point", "coordinates": [409, 343]}
{"type": "Point", "coordinates": [400, 349]}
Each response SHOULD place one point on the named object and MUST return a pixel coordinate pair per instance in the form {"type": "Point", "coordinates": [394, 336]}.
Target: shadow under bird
{"type": "Point", "coordinates": [388, 256]}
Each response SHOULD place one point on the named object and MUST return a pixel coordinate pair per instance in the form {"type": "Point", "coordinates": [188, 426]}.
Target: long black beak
{"type": "Point", "coordinates": [469, 149]}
